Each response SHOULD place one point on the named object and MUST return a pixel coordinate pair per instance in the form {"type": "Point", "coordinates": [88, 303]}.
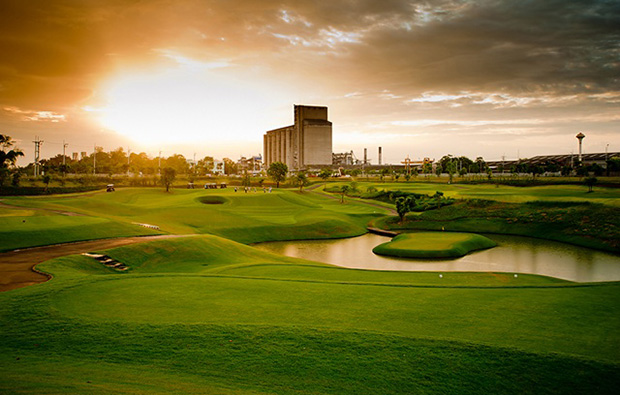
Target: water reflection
{"type": "Point", "coordinates": [513, 254]}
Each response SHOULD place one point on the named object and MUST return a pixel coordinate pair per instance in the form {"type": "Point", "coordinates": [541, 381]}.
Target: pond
{"type": "Point", "coordinates": [513, 254]}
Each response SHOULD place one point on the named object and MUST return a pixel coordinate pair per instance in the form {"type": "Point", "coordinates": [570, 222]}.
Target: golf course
{"type": "Point", "coordinates": [201, 310]}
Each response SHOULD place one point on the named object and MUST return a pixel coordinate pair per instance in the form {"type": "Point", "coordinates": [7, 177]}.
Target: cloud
{"type": "Point", "coordinates": [371, 61]}
{"type": "Point", "coordinates": [35, 116]}
{"type": "Point", "coordinates": [404, 46]}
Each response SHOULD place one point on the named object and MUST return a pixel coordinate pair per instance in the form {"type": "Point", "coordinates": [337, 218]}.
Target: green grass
{"type": "Point", "coordinates": [503, 193]}
{"type": "Point", "coordinates": [31, 231]}
{"type": "Point", "coordinates": [433, 245]}
{"type": "Point", "coordinates": [583, 224]}
{"type": "Point", "coordinates": [206, 314]}
{"type": "Point", "coordinates": [248, 218]}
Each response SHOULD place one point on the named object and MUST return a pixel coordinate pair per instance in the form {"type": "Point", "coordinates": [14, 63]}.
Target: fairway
{"type": "Point", "coordinates": [245, 217]}
{"type": "Point", "coordinates": [503, 193]}
{"type": "Point", "coordinates": [206, 313]}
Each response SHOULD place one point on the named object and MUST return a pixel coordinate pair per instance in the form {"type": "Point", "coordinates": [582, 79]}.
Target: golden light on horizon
{"type": "Point", "coordinates": [187, 102]}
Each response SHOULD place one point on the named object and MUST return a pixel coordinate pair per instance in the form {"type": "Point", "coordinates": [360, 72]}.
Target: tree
{"type": "Point", "coordinates": [246, 182]}
{"type": "Point", "coordinates": [168, 174]}
{"type": "Point", "coordinates": [482, 165]}
{"type": "Point", "coordinates": [582, 171]}
{"type": "Point", "coordinates": [277, 172]}
{"type": "Point", "coordinates": [590, 181]}
{"type": "Point", "coordinates": [16, 178]}
{"type": "Point", "coordinates": [205, 165]}
{"type": "Point", "coordinates": [384, 172]}
{"type": "Point", "coordinates": [343, 190]}
{"type": "Point", "coordinates": [537, 170]}
{"type": "Point", "coordinates": [451, 169]}
{"type": "Point", "coordinates": [230, 167]}
{"type": "Point", "coordinates": [177, 162]}
{"type": "Point", "coordinates": [613, 164]}
{"type": "Point", "coordinates": [301, 180]}
{"type": "Point", "coordinates": [438, 170]}
{"type": "Point", "coordinates": [8, 156]}
{"type": "Point", "coordinates": [46, 181]}
{"type": "Point", "coordinates": [324, 174]}
{"type": "Point", "coordinates": [596, 169]}
{"type": "Point", "coordinates": [403, 206]}
{"type": "Point", "coordinates": [427, 168]}
{"type": "Point", "coordinates": [445, 160]}
{"type": "Point", "coordinates": [438, 197]}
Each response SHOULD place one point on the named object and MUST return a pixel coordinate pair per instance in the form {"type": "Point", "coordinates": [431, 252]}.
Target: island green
{"type": "Point", "coordinates": [433, 245]}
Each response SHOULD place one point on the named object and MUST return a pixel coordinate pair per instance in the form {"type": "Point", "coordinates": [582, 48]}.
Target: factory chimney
{"type": "Point", "coordinates": [379, 156]}
{"type": "Point", "coordinates": [365, 156]}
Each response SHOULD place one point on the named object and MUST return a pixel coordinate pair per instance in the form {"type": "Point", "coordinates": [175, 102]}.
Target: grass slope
{"type": "Point", "coordinates": [205, 314]}
{"type": "Point", "coordinates": [248, 218]}
{"type": "Point", "coordinates": [433, 245]}
{"type": "Point", "coordinates": [31, 231]}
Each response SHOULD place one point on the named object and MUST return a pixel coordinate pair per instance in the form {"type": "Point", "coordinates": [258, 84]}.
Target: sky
{"type": "Point", "coordinates": [496, 78]}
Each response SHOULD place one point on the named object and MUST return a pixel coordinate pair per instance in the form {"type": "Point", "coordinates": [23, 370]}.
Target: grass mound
{"type": "Point", "coordinates": [433, 245]}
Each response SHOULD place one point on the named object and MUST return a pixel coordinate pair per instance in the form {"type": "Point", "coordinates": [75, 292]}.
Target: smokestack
{"type": "Point", "coordinates": [365, 155]}
{"type": "Point", "coordinates": [379, 156]}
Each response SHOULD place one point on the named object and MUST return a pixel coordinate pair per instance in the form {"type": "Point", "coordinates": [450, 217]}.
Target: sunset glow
{"type": "Point", "coordinates": [190, 102]}
{"type": "Point", "coordinates": [424, 79]}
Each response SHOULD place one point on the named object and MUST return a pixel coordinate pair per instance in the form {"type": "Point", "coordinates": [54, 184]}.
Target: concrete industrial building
{"type": "Point", "coordinates": [306, 143]}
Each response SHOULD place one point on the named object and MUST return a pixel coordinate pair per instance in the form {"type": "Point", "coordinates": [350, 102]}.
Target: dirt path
{"type": "Point", "coordinates": [17, 267]}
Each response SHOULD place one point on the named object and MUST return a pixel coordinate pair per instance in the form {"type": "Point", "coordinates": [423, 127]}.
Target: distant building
{"type": "Point", "coordinates": [308, 142]}
{"type": "Point", "coordinates": [218, 167]}
{"type": "Point", "coordinates": [252, 165]}
{"type": "Point", "coordinates": [344, 159]}
{"type": "Point", "coordinates": [562, 160]}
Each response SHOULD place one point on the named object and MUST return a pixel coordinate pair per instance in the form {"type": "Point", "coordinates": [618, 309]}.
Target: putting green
{"type": "Point", "coordinates": [433, 245]}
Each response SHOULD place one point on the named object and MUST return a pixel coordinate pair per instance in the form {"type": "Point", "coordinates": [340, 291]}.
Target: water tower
{"type": "Point", "coordinates": [580, 137]}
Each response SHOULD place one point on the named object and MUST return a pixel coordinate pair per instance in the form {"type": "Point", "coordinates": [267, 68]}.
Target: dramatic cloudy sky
{"type": "Point", "coordinates": [419, 78]}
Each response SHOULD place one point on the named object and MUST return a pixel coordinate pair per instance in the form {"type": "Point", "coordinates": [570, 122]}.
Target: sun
{"type": "Point", "coordinates": [189, 102]}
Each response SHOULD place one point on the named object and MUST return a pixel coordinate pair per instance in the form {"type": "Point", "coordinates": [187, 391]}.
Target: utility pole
{"type": "Point", "coordinates": [64, 160]}
{"type": "Point", "coordinates": [95, 159]}
{"type": "Point", "coordinates": [606, 148]}
{"type": "Point", "coordinates": [37, 154]}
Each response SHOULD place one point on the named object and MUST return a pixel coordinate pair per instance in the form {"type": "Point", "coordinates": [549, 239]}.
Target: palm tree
{"type": "Point", "coordinates": [8, 156]}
